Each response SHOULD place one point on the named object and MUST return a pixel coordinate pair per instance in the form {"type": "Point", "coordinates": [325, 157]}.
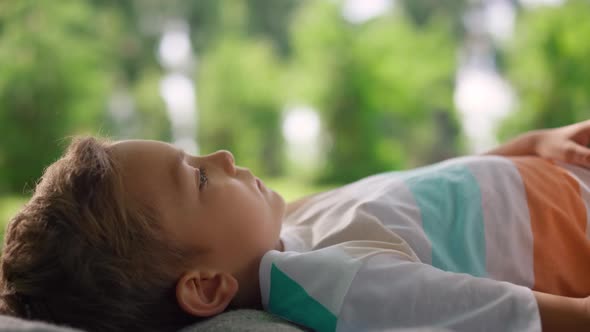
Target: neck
{"type": "Point", "coordinates": [248, 295]}
{"type": "Point", "coordinates": [280, 246]}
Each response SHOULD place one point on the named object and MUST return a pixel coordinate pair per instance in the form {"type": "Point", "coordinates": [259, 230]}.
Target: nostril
{"type": "Point", "coordinates": [231, 157]}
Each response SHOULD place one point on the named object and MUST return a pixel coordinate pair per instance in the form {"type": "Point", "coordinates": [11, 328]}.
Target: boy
{"type": "Point", "coordinates": [137, 235]}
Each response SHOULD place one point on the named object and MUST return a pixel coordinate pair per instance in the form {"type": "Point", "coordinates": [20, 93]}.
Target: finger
{"type": "Point", "coordinates": [584, 132]}
{"type": "Point", "coordinates": [577, 154]}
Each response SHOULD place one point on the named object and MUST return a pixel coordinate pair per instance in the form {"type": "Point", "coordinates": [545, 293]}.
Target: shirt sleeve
{"type": "Point", "coordinates": [366, 286]}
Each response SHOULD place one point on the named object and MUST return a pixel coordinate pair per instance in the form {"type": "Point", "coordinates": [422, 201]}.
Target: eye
{"type": "Point", "coordinates": [203, 179]}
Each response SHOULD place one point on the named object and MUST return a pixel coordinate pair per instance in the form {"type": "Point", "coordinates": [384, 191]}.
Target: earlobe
{"type": "Point", "coordinates": [205, 293]}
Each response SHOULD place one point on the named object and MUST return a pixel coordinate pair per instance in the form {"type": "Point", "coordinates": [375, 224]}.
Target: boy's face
{"type": "Point", "coordinates": [205, 201]}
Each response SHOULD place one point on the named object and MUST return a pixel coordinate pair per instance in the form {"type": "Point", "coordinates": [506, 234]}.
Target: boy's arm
{"type": "Point", "coordinates": [568, 144]}
{"type": "Point", "coordinates": [560, 313]}
{"type": "Point", "coordinates": [522, 145]}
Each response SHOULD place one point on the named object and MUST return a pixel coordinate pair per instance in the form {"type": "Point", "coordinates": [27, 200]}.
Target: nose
{"type": "Point", "coordinates": [227, 160]}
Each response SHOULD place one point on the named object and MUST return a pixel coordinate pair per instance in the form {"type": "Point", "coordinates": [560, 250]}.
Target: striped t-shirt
{"type": "Point", "coordinates": [522, 220]}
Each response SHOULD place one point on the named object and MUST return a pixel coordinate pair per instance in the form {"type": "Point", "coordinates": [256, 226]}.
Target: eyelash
{"type": "Point", "coordinates": [203, 179]}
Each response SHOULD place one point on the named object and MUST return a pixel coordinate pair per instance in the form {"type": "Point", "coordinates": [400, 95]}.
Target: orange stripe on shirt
{"type": "Point", "coordinates": [561, 251]}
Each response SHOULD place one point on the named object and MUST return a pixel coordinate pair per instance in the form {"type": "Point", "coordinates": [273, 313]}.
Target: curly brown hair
{"type": "Point", "coordinates": [81, 253]}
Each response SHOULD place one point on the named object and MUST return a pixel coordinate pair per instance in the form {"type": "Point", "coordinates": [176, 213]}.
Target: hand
{"type": "Point", "coordinates": [568, 144]}
{"type": "Point", "coordinates": [561, 313]}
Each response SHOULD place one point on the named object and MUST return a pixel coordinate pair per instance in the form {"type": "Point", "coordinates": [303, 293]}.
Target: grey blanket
{"type": "Point", "coordinates": [243, 320]}
{"type": "Point", "coordinates": [231, 321]}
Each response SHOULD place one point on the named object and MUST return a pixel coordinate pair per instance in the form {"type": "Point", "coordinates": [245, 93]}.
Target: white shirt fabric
{"type": "Point", "coordinates": [446, 246]}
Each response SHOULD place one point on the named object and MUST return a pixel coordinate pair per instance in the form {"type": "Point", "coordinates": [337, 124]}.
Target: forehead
{"type": "Point", "coordinates": [138, 150]}
{"type": "Point", "coordinates": [146, 168]}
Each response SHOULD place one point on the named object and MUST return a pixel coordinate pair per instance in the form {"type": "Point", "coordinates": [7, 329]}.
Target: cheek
{"type": "Point", "coordinates": [233, 214]}
{"type": "Point", "coordinates": [251, 204]}
{"type": "Point", "coordinates": [249, 212]}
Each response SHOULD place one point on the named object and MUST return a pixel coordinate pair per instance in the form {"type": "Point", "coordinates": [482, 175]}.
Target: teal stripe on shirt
{"type": "Point", "coordinates": [289, 300]}
{"type": "Point", "coordinates": [449, 199]}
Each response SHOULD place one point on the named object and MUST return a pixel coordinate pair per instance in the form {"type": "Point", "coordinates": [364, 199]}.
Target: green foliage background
{"type": "Point", "coordinates": [383, 89]}
{"type": "Point", "coordinates": [548, 64]}
{"type": "Point", "coordinates": [378, 87]}
{"type": "Point", "coordinates": [52, 82]}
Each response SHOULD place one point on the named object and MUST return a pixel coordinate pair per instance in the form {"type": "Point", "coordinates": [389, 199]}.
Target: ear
{"type": "Point", "coordinates": [205, 293]}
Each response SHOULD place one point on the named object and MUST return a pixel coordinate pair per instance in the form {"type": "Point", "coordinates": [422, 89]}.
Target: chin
{"type": "Point", "coordinates": [279, 196]}
{"type": "Point", "coordinates": [282, 201]}
{"type": "Point", "coordinates": [278, 204]}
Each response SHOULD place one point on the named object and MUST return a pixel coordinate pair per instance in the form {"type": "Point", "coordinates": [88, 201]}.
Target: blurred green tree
{"type": "Point", "coordinates": [53, 83]}
{"type": "Point", "coordinates": [379, 87]}
{"type": "Point", "coordinates": [238, 93]}
{"type": "Point", "coordinates": [136, 72]}
{"type": "Point", "coordinates": [152, 121]}
{"type": "Point", "coordinates": [236, 45]}
{"type": "Point", "coordinates": [421, 12]}
{"type": "Point", "coordinates": [268, 19]}
{"type": "Point", "coordinates": [547, 62]}
{"type": "Point", "coordinates": [271, 19]}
